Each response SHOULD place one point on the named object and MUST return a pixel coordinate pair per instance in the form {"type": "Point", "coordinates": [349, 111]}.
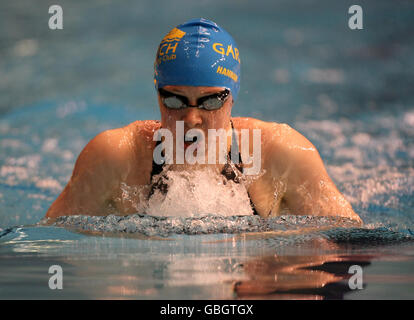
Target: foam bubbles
{"type": "Point", "coordinates": [210, 224]}
{"type": "Point", "coordinates": [198, 193]}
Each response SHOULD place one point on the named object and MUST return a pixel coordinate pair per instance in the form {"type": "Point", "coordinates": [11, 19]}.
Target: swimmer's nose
{"type": "Point", "coordinates": [192, 118]}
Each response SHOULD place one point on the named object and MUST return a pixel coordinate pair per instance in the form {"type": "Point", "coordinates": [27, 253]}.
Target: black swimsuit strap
{"type": "Point", "coordinates": [235, 147]}
{"type": "Point", "coordinates": [239, 165]}
{"type": "Point", "coordinates": [156, 168]}
{"type": "Point", "coordinates": [227, 171]}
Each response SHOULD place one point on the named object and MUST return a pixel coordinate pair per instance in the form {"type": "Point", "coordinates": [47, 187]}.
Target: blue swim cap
{"type": "Point", "coordinates": [198, 53]}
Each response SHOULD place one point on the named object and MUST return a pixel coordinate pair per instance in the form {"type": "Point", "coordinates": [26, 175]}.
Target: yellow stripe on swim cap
{"type": "Point", "coordinates": [174, 35]}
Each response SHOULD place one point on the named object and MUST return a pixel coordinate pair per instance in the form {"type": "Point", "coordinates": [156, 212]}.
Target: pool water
{"type": "Point", "coordinates": [349, 92]}
{"type": "Point", "coordinates": [260, 265]}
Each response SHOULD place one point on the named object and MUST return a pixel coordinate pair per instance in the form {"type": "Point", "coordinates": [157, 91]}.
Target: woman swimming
{"type": "Point", "coordinates": [197, 77]}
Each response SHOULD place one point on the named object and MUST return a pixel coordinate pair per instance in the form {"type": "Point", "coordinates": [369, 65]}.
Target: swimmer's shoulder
{"type": "Point", "coordinates": [280, 142]}
{"type": "Point", "coordinates": [142, 132]}
{"type": "Point", "coordinates": [120, 147]}
{"type": "Point", "coordinates": [272, 133]}
{"type": "Point", "coordinates": [267, 126]}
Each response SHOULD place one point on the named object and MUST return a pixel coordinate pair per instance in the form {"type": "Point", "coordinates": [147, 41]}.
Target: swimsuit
{"type": "Point", "coordinates": [232, 171]}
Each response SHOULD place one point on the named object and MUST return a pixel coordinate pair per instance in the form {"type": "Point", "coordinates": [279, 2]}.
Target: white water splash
{"type": "Point", "coordinates": [199, 193]}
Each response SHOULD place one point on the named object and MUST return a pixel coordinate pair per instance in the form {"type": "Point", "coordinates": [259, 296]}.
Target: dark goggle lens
{"type": "Point", "coordinates": [174, 102]}
{"type": "Point", "coordinates": [215, 101]}
{"type": "Point", "coordinates": [212, 102]}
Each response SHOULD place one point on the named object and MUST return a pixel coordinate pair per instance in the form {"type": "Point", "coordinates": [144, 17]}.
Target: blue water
{"type": "Point", "coordinates": [349, 92]}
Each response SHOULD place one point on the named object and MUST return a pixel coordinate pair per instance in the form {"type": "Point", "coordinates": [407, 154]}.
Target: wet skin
{"type": "Point", "coordinates": [293, 179]}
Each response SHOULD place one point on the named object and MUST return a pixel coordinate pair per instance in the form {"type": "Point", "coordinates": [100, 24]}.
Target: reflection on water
{"type": "Point", "coordinates": [299, 277]}
{"type": "Point", "coordinates": [270, 277]}
{"type": "Point", "coordinates": [218, 266]}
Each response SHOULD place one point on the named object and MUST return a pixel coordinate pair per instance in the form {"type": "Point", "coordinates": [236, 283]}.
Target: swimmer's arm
{"type": "Point", "coordinates": [93, 180]}
{"type": "Point", "coordinates": [310, 190]}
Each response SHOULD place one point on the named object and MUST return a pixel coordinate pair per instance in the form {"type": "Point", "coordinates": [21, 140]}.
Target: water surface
{"type": "Point", "coordinates": [349, 92]}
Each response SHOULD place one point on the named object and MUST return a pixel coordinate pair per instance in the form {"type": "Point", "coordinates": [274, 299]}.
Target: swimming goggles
{"type": "Point", "coordinates": [211, 102]}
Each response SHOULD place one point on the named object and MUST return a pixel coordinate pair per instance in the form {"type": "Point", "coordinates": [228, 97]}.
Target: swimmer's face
{"type": "Point", "coordinates": [195, 117]}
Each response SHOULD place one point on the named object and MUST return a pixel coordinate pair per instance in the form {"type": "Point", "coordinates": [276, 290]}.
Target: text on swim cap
{"type": "Point", "coordinates": [219, 48]}
{"type": "Point", "coordinates": [227, 73]}
{"type": "Point", "coordinates": [163, 55]}
{"type": "Point", "coordinates": [174, 36]}
{"type": "Point", "coordinates": [169, 47]}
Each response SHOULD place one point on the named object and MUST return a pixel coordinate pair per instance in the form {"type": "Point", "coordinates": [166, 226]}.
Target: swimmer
{"type": "Point", "coordinates": [197, 78]}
